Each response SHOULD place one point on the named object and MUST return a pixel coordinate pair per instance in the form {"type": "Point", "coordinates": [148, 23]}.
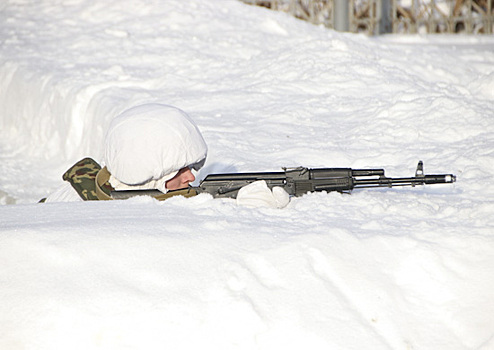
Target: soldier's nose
{"type": "Point", "coordinates": [188, 176]}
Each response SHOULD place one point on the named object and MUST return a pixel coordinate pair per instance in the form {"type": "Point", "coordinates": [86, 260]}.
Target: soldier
{"type": "Point", "coordinates": [152, 146]}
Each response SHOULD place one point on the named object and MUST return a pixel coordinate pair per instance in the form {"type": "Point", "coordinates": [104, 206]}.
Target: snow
{"type": "Point", "coordinates": [404, 268]}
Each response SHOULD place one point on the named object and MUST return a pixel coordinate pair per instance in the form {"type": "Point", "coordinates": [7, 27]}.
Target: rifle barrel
{"type": "Point", "coordinates": [405, 181]}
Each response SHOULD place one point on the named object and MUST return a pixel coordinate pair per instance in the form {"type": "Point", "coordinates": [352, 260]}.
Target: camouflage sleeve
{"type": "Point", "coordinates": [82, 177]}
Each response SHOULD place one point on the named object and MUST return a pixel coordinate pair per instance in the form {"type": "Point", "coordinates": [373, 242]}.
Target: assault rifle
{"type": "Point", "coordinates": [297, 181]}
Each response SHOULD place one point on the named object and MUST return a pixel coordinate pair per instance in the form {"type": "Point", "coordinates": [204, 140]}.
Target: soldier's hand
{"type": "Point", "coordinates": [258, 194]}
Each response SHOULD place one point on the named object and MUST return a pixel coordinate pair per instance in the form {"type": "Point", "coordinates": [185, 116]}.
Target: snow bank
{"type": "Point", "coordinates": [402, 268]}
{"type": "Point", "coordinates": [205, 273]}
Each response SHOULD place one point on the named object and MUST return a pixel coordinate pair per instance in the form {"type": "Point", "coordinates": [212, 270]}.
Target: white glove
{"type": "Point", "coordinates": [258, 194]}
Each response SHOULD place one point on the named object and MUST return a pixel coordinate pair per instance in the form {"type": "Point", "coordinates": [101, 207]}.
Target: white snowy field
{"type": "Point", "coordinates": [404, 268]}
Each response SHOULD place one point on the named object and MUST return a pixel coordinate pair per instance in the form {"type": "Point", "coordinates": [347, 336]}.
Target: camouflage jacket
{"type": "Point", "coordinates": [82, 177]}
{"type": "Point", "coordinates": [91, 182]}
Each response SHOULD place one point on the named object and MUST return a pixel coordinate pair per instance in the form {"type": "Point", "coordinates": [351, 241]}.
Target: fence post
{"type": "Point", "coordinates": [341, 15]}
{"type": "Point", "coordinates": [385, 23]}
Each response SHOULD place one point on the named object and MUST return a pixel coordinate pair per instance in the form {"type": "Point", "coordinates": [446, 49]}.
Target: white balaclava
{"type": "Point", "coordinates": [147, 145]}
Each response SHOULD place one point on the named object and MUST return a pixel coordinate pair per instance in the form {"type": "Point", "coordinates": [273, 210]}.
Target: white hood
{"type": "Point", "coordinates": [147, 145]}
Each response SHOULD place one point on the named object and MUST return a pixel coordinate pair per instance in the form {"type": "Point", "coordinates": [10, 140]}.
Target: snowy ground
{"type": "Point", "coordinates": [407, 268]}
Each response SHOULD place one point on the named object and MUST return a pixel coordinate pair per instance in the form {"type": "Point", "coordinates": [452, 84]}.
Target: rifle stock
{"type": "Point", "coordinates": [297, 181]}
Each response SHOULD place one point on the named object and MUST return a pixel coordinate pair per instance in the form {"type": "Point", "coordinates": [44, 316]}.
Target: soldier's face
{"type": "Point", "coordinates": [182, 180]}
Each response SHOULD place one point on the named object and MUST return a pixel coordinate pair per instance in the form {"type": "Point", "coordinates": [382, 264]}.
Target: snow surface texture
{"type": "Point", "coordinates": [406, 268]}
